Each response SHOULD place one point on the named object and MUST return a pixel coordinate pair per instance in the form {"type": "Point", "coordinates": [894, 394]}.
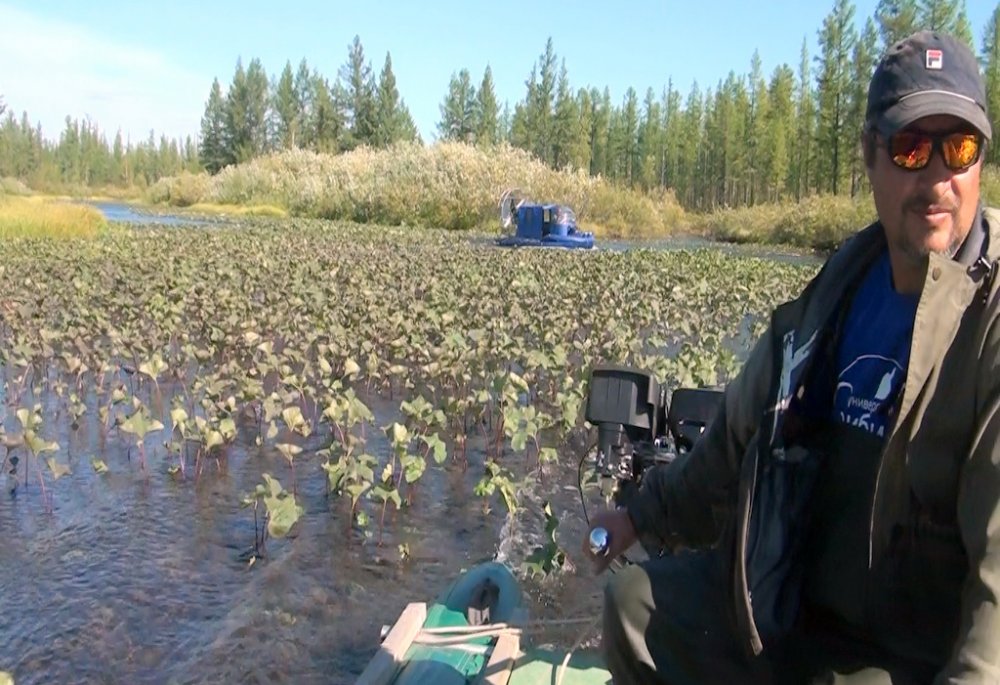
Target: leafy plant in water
{"type": "Point", "coordinates": [421, 419]}
{"type": "Point", "coordinates": [281, 512]}
{"type": "Point", "coordinates": [140, 424]}
{"type": "Point", "coordinates": [351, 475]}
{"type": "Point", "coordinates": [76, 409]}
{"type": "Point", "coordinates": [385, 491]}
{"type": "Point", "coordinates": [549, 557]}
{"type": "Point", "coordinates": [289, 451]}
{"type": "Point", "coordinates": [31, 439]}
{"type": "Point", "coordinates": [522, 424]}
{"type": "Point", "coordinates": [154, 368]}
{"type": "Point", "coordinates": [497, 479]}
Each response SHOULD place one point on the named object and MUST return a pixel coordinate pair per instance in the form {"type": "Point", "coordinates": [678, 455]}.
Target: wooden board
{"type": "Point", "coordinates": [501, 663]}
{"type": "Point", "coordinates": [383, 666]}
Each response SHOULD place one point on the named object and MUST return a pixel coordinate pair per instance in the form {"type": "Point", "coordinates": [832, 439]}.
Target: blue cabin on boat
{"type": "Point", "coordinates": [546, 225]}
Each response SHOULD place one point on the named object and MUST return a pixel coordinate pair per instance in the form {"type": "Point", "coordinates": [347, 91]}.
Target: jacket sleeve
{"type": "Point", "coordinates": [677, 503]}
{"type": "Point", "coordinates": [976, 656]}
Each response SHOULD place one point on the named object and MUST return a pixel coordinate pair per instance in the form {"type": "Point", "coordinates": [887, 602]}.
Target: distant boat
{"type": "Point", "coordinates": [540, 225]}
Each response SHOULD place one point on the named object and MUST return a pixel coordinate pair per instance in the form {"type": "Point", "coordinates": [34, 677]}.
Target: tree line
{"type": "Point", "coordinates": [748, 138]}
{"type": "Point", "coordinates": [83, 156]}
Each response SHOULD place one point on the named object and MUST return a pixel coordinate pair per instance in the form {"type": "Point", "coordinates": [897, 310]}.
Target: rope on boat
{"type": "Point", "coordinates": [522, 627]}
{"type": "Point", "coordinates": [579, 641]}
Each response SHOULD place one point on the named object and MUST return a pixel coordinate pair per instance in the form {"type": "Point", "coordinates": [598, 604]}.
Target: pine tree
{"type": "Point", "coordinates": [565, 122]}
{"type": "Point", "coordinates": [963, 29]}
{"type": "Point", "coordinates": [214, 152]}
{"type": "Point", "coordinates": [118, 154]}
{"type": "Point", "coordinates": [990, 60]}
{"type": "Point", "coordinates": [328, 123]}
{"type": "Point", "coordinates": [287, 108]}
{"type": "Point", "coordinates": [237, 137]}
{"type": "Point", "coordinates": [756, 128]}
{"type": "Point", "coordinates": [392, 119]}
{"type": "Point", "coordinates": [580, 156]}
{"type": "Point", "coordinates": [863, 61]}
{"type": "Point", "coordinates": [649, 146]}
{"type": "Point", "coordinates": [458, 111]}
{"type": "Point", "coordinates": [779, 132]}
{"type": "Point", "coordinates": [303, 87]}
{"type": "Point", "coordinates": [539, 105]}
{"type": "Point", "coordinates": [670, 127]}
{"type": "Point", "coordinates": [487, 111]}
{"type": "Point", "coordinates": [896, 20]}
{"type": "Point", "coordinates": [836, 39]}
{"type": "Point", "coordinates": [802, 170]}
{"type": "Point", "coordinates": [628, 141]}
{"type": "Point", "coordinates": [938, 15]}
{"type": "Point", "coordinates": [258, 108]}
{"type": "Point", "coordinates": [505, 122]}
{"type": "Point", "coordinates": [690, 143]}
{"type": "Point", "coordinates": [600, 125]}
{"type": "Point", "coordinates": [360, 92]}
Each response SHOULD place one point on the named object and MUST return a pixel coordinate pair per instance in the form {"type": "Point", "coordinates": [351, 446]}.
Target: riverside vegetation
{"type": "Point", "coordinates": [300, 325]}
{"type": "Point", "coordinates": [368, 360]}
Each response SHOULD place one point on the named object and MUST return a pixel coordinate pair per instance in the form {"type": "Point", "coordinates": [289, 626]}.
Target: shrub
{"type": "Point", "coordinates": [446, 185]}
{"type": "Point", "coordinates": [817, 221]}
{"type": "Point", "coordinates": [180, 191]}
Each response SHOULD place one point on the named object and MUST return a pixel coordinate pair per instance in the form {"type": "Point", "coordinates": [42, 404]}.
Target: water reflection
{"type": "Point", "coordinates": [137, 577]}
{"type": "Point", "coordinates": [123, 213]}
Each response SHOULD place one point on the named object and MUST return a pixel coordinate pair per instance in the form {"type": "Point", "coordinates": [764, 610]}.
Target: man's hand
{"type": "Point", "coordinates": [620, 531]}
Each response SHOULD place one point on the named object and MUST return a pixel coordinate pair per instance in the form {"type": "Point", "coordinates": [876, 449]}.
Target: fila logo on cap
{"type": "Point", "coordinates": [934, 59]}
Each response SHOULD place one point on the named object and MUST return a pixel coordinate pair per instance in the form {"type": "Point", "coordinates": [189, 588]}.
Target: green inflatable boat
{"type": "Point", "coordinates": [471, 634]}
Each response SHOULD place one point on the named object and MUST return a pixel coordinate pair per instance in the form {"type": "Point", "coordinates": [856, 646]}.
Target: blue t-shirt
{"type": "Point", "coordinates": [873, 351]}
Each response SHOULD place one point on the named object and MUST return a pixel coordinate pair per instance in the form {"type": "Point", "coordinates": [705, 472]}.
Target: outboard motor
{"type": "Point", "coordinates": [637, 428]}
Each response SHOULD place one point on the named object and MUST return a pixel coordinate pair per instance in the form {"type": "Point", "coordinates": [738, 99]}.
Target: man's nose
{"type": "Point", "coordinates": [936, 170]}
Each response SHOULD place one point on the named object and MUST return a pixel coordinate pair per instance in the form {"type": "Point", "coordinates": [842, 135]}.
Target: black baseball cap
{"type": "Point", "coordinates": [926, 73]}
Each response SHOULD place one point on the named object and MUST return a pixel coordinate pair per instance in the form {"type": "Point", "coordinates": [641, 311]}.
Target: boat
{"type": "Point", "coordinates": [540, 225]}
{"type": "Point", "coordinates": [473, 633]}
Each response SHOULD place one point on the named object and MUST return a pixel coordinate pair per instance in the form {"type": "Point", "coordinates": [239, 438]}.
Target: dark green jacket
{"type": "Point", "coordinates": [940, 465]}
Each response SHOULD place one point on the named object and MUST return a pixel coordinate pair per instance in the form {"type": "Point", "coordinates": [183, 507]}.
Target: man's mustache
{"type": "Point", "coordinates": [920, 203]}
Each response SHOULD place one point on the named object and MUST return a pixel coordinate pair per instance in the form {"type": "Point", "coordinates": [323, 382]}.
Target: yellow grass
{"type": "Point", "coordinates": [237, 210]}
{"type": "Point", "coordinates": [34, 217]}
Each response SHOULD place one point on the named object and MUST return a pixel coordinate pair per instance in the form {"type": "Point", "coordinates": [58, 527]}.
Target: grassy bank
{"type": "Point", "coordinates": [820, 221]}
{"type": "Point", "coordinates": [447, 185]}
{"type": "Point", "coordinates": [40, 217]}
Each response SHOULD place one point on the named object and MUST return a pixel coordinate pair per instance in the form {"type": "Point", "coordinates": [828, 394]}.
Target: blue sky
{"type": "Point", "coordinates": [145, 65]}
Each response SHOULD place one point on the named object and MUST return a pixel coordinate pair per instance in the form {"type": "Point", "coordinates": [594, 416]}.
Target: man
{"type": "Point", "coordinates": [858, 451]}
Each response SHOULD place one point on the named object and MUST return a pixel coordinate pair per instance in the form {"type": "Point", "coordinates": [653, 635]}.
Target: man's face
{"type": "Point", "coordinates": [928, 210]}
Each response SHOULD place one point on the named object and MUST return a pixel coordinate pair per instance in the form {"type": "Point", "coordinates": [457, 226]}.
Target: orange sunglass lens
{"type": "Point", "coordinates": [910, 150]}
{"type": "Point", "coordinates": [960, 149]}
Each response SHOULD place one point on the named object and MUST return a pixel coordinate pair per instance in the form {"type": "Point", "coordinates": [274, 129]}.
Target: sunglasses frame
{"type": "Point", "coordinates": [937, 145]}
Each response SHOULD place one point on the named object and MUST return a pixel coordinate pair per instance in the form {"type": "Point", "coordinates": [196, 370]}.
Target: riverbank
{"type": "Point", "coordinates": [37, 216]}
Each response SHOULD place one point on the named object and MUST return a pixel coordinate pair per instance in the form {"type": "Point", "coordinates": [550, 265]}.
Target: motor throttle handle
{"type": "Point", "coordinates": [600, 541]}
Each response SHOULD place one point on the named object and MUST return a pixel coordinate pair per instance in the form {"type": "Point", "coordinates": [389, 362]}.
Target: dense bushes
{"type": "Point", "coordinates": [447, 185]}
{"type": "Point", "coordinates": [819, 221]}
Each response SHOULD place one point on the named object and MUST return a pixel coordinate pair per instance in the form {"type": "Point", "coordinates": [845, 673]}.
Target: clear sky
{"type": "Point", "coordinates": [141, 65]}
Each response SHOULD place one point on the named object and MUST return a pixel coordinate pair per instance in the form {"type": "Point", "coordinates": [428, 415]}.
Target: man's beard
{"type": "Point", "coordinates": [917, 205]}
